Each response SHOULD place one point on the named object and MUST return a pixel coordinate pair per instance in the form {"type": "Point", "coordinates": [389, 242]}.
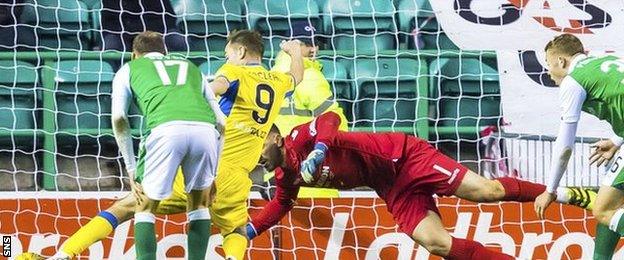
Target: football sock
{"type": "Point", "coordinates": [144, 236]}
{"type": "Point", "coordinates": [468, 249]}
{"type": "Point", "coordinates": [605, 242]}
{"type": "Point", "coordinates": [564, 194]}
{"type": "Point", "coordinates": [519, 190]}
{"type": "Point", "coordinates": [95, 230]}
{"type": "Point", "coordinates": [198, 234]}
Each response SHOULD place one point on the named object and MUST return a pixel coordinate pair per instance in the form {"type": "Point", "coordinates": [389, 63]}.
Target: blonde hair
{"type": "Point", "coordinates": [566, 44]}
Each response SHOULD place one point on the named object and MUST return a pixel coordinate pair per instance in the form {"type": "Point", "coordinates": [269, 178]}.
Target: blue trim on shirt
{"type": "Point", "coordinates": [109, 217]}
{"type": "Point", "coordinates": [229, 97]}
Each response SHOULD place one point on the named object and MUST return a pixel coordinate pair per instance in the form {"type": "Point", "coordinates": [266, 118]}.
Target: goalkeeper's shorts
{"type": "Point", "coordinates": [423, 172]}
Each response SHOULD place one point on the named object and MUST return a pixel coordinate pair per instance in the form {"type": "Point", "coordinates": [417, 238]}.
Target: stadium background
{"type": "Point", "coordinates": [392, 66]}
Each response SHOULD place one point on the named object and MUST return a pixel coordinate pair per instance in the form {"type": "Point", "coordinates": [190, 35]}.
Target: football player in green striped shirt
{"type": "Point", "coordinates": [183, 119]}
{"type": "Point", "coordinates": [594, 85]}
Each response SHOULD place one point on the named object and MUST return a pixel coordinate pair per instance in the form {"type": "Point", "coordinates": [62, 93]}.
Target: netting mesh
{"type": "Point", "coordinates": [390, 65]}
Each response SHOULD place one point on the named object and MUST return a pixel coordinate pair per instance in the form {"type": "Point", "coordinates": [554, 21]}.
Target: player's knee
{"type": "Point", "coordinates": [439, 247]}
{"type": "Point", "coordinates": [434, 243]}
{"type": "Point", "coordinates": [602, 214]}
{"type": "Point", "coordinates": [123, 209]}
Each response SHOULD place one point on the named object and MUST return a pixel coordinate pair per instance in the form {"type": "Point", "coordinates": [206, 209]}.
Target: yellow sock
{"type": "Point", "coordinates": [235, 246]}
{"type": "Point", "coordinates": [97, 229]}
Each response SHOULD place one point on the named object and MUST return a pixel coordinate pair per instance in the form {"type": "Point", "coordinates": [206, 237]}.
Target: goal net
{"type": "Point", "coordinates": [433, 70]}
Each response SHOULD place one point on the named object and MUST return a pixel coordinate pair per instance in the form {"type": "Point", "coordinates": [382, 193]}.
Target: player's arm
{"type": "Point", "coordinates": [326, 127]}
{"type": "Point", "coordinates": [276, 209]}
{"type": "Point", "coordinates": [219, 86]}
{"type": "Point", "coordinates": [214, 104]}
{"type": "Point", "coordinates": [571, 97]}
{"type": "Point", "coordinates": [222, 79]}
{"type": "Point", "coordinates": [121, 98]}
{"type": "Point", "coordinates": [293, 48]}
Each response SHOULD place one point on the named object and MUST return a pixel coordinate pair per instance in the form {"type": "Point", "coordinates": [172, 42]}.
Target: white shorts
{"type": "Point", "coordinates": [194, 146]}
{"type": "Point", "coordinates": [615, 174]}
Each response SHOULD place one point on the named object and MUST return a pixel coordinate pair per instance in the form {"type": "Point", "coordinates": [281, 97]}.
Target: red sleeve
{"type": "Point", "coordinates": [326, 126]}
{"type": "Point", "coordinates": [282, 203]}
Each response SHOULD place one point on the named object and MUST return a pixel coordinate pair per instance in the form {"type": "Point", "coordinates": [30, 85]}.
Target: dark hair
{"type": "Point", "coordinates": [274, 130]}
{"type": "Point", "coordinates": [251, 40]}
{"type": "Point", "coordinates": [566, 44]}
{"type": "Point", "coordinates": [149, 41]}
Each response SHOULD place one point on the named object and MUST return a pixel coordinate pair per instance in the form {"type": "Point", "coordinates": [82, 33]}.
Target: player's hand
{"type": "Point", "coordinates": [310, 165]}
{"type": "Point", "coordinates": [605, 149]}
{"type": "Point", "coordinates": [542, 202]}
{"type": "Point", "coordinates": [292, 47]}
{"type": "Point", "coordinates": [137, 191]}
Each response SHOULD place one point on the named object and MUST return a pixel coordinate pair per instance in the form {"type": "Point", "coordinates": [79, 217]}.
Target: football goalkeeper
{"type": "Point", "coordinates": [405, 171]}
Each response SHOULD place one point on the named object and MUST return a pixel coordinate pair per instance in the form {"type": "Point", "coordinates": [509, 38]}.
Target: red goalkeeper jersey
{"type": "Point", "coordinates": [376, 160]}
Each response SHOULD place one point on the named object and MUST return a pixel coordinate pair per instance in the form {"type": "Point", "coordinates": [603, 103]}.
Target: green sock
{"type": "Point", "coordinates": [197, 239]}
{"type": "Point", "coordinates": [606, 240]}
{"type": "Point", "coordinates": [145, 241]}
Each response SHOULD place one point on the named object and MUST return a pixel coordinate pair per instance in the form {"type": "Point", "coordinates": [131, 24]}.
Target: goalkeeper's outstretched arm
{"type": "Point", "coordinates": [276, 209]}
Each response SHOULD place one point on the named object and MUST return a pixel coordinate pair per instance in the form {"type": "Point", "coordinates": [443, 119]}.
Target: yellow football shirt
{"type": "Point", "coordinates": [251, 103]}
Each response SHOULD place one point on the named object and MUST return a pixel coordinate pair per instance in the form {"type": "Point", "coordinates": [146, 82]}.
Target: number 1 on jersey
{"type": "Point", "coordinates": [164, 76]}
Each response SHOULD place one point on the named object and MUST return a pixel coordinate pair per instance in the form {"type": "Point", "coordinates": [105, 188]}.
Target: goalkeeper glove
{"type": "Point", "coordinates": [251, 231]}
{"type": "Point", "coordinates": [310, 165]}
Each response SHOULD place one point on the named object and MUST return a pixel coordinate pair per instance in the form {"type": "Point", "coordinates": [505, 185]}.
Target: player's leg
{"type": "Point", "coordinates": [159, 160]}
{"type": "Point", "coordinates": [476, 188]}
{"type": "Point", "coordinates": [608, 210]}
{"type": "Point", "coordinates": [122, 210]}
{"type": "Point", "coordinates": [610, 227]}
{"type": "Point", "coordinates": [228, 208]}
{"type": "Point", "coordinates": [430, 234]}
{"type": "Point", "coordinates": [200, 165]}
{"type": "Point", "coordinates": [606, 241]}
{"type": "Point", "coordinates": [97, 228]}
{"type": "Point", "coordinates": [198, 233]}
{"type": "Point", "coordinates": [144, 233]}
{"type": "Point", "coordinates": [417, 215]}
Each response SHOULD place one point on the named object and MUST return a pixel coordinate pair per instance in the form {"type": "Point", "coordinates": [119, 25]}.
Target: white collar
{"type": "Point", "coordinates": [575, 61]}
{"type": "Point", "coordinates": [153, 55]}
